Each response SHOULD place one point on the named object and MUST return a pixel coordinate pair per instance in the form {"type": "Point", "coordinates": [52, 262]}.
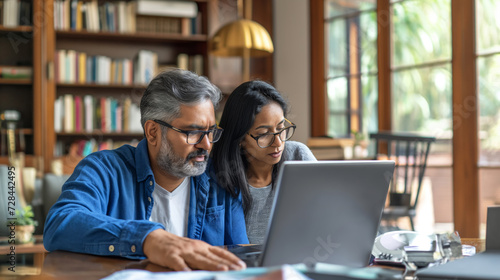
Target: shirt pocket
{"type": "Point", "coordinates": [214, 230]}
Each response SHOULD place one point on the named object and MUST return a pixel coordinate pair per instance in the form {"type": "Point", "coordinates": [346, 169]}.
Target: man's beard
{"type": "Point", "coordinates": [171, 163]}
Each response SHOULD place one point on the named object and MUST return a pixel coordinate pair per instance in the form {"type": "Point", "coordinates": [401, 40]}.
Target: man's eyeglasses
{"type": "Point", "coordinates": [194, 137]}
{"type": "Point", "coordinates": [266, 140]}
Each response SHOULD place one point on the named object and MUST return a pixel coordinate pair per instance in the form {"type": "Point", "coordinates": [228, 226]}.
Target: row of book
{"type": "Point", "coordinates": [15, 12]}
{"type": "Point", "coordinates": [128, 16]}
{"type": "Point", "coordinates": [77, 67]}
{"type": "Point", "coordinates": [184, 26]}
{"type": "Point", "coordinates": [88, 114]}
{"type": "Point", "coordinates": [16, 72]}
{"type": "Point", "coordinates": [192, 63]}
{"type": "Point", "coordinates": [88, 146]}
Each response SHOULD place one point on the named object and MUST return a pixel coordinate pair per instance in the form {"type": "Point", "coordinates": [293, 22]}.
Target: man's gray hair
{"type": "Point", "coordinates": [169, 90]}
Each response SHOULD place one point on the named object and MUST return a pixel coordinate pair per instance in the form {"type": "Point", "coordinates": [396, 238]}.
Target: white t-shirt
{"type": "Point", "coordinates": [172, 208]}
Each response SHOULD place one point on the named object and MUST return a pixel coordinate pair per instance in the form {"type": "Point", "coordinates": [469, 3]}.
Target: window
{"type": "Point", "coordinates": [488, 78]}
{"type": "Point", "coordinates": [488, 84]}
{"type": "Point", "coordinates": [351, 66]}
{"type": "Point", "coordinates": [415, 75]}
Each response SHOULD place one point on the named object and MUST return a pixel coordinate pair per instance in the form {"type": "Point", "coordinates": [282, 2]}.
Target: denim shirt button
{"type": "Point", "coordinates": [149, 199]}
{"type": "Point", "coordinates": [111, 248]}
{"type": "Point", "coordinates": [150, 183]}
{"type": "Point", "coordinates": [132, 248]}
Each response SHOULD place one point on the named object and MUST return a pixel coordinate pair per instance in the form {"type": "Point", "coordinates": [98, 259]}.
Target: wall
{"type": "Point", "coordinates": [291, 61]}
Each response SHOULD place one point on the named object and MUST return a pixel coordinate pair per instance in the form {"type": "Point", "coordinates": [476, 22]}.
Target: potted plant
{"type": "Point", "coordinates": [25, 225]}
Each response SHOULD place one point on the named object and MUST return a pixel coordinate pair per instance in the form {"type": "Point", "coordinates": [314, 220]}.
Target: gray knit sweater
{"type": "Point", "coordinates": [257, 217]}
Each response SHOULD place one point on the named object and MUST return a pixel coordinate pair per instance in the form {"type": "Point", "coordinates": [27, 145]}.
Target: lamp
{"type": "Point", "coordinates": [244, 38]}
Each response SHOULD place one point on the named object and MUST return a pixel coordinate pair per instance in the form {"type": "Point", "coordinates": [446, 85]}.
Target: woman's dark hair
{"type": "Point", "coordinates": [228, 157]}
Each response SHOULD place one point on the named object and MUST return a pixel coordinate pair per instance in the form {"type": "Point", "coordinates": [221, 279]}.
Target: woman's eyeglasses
{"type": "Point", "coordinates": [194, 137]}
{"type": "Point", "coordinates": [266, 140]}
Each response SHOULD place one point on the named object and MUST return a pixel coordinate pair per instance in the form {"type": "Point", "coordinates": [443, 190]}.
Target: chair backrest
{"type": "Point", "coordinates": [52, 186]}
{"type": "Point", "coordinates": [410, 152]}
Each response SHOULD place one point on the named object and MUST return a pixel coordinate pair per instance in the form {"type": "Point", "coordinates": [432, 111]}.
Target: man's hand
{"type": "Point", "coordinates": [180, 253]}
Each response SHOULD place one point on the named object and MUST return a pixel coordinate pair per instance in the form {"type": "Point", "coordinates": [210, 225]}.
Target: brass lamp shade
{"type": "Point", "coordinates": [241, 38]}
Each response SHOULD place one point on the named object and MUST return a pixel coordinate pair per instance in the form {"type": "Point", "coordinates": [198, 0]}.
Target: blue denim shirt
{"type": "Point", "coordinates": [105, 205]}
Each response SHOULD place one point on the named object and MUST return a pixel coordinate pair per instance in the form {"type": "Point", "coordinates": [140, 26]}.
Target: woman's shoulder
{"type": "Point", "coordinates": [298, 151]}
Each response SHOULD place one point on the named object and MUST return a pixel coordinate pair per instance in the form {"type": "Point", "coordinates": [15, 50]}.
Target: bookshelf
{"type": "Point", "coordinates": [37, 47]}
{"type": "Point", "coordinates": [21, 47]}
{"type": "Point", "coordinates": [115, 46]}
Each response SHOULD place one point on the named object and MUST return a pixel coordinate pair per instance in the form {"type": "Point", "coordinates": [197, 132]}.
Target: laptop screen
{"type": "Point", "coordinates": [493, 228]}
{"type": "Point", "coordinates": [326, 211]}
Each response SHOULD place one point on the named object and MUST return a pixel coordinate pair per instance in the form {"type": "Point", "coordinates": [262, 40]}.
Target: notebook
{"type": "Point", "coordinates": [480, 266]}
{"type": "Point", "coordinates": [324, 211]}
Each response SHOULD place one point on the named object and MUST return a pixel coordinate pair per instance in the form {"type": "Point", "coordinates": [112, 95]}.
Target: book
{"type": "Point", "coordinates": [131, 16]}
{"type": "Point", "coordinates": [186, 9]}
{"type": "Point", "coordinates": [197, 64]}
{"type": "Point", "coordinates": [73, 7]}
{"type": "Point", "coordinates": [69, 113]}
{"type": "Point", "coordinates": [82, 64]}
{"type": "Point", "coordinates": [58, 114]}
{"type": "Point", "coordinates": [103, 115]}
{"type": "Point", "coordinates": [78, 113]}
{"type": "Point", "coordinates": [79, 24]}
{"type": "Point", "coordinates": [126, 114]}
{"type": "Point", "coordinates": [16, 72]}
{"type": "Point", "coordinates": [88, 100]}
{"type": "Point", "coordinates": [182, 61]}
{"type": "Point", "coordinates": [70, 76]}
{"type": "Point", "coordinates": [10, 13]}
{"type": "Point", "coordinates": [186, 26]}
{"type": "Point", "coordinates": [146, 64]}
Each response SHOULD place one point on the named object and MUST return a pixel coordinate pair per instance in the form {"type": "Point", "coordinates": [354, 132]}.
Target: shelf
{"type": "Point", "coordinates": [21, 28]}
{"type": "Point", "coordinates": [26, 131]}
{"type": "Point", "coordinates": [109, 86]}
{"type": "Point", "coordinates": [100, 134]}
{"type": "Point", "coordinates": [15, 81]}
{"type": "Point", "coordinates": [136, 38]}
{"type": "Point", "coordinates": [28, 160]}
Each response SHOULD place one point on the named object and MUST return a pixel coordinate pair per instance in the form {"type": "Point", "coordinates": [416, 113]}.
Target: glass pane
{"type": "Point", "coordinates": [489, 104]}
{"type": "Point", "coordinates": [370, 105]}
{"type": "Point", "coordinates": [336, 48]}
{"type": "Point", "coordinates": [341, 7]}
{"type": "Point", "coordinates": [422, 104]}
{"type": "Point", "coordinates": [421, 31]}
{"type": "Point", "coordinates": [337, 103]}
{"type": "Point", "coordinates": [352, 45]}
{"type": "Point", "coordinates": [489, 193]}
{"type": "Point", "coordinates": [487, 25]}
{"type": "Point", "coordinates": [337, 126]}
{"type": "Point", "coordinates": [337, 94]}
{"type": "Point", "coordinates": [368, 48]}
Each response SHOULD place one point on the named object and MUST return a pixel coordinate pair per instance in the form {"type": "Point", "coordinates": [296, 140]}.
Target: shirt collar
{"type": "Point", "coordinates": [142, 164]}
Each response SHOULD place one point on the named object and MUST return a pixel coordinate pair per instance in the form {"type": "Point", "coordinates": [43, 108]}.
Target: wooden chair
{"type": "Point", "coordinates": [410, 152]}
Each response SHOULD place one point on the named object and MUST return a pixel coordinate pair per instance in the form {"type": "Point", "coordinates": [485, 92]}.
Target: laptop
{"type": "Point", "coordinates": [480, 266]}
{"type": "Point", "coordinates": [493, 229]}
{"type": "Point", "coordinates": [323, 211]}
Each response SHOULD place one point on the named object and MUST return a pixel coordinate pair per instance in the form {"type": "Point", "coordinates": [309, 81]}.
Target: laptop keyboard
{"type": "Point", "coordinates": [249, 254]}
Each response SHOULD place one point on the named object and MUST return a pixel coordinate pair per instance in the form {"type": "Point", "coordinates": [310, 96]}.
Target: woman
{"type": "Point", "coordinates": [253, 145]}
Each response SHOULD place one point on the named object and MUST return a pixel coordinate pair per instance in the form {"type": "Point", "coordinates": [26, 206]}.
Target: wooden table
{"type": "Point", "coordinates": [35, 247]}
{"type": "Point", "coordinates": [67, 265]}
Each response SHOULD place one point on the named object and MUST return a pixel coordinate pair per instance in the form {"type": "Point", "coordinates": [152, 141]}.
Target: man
{"type": "Point", "coordinates": [145, 201]}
